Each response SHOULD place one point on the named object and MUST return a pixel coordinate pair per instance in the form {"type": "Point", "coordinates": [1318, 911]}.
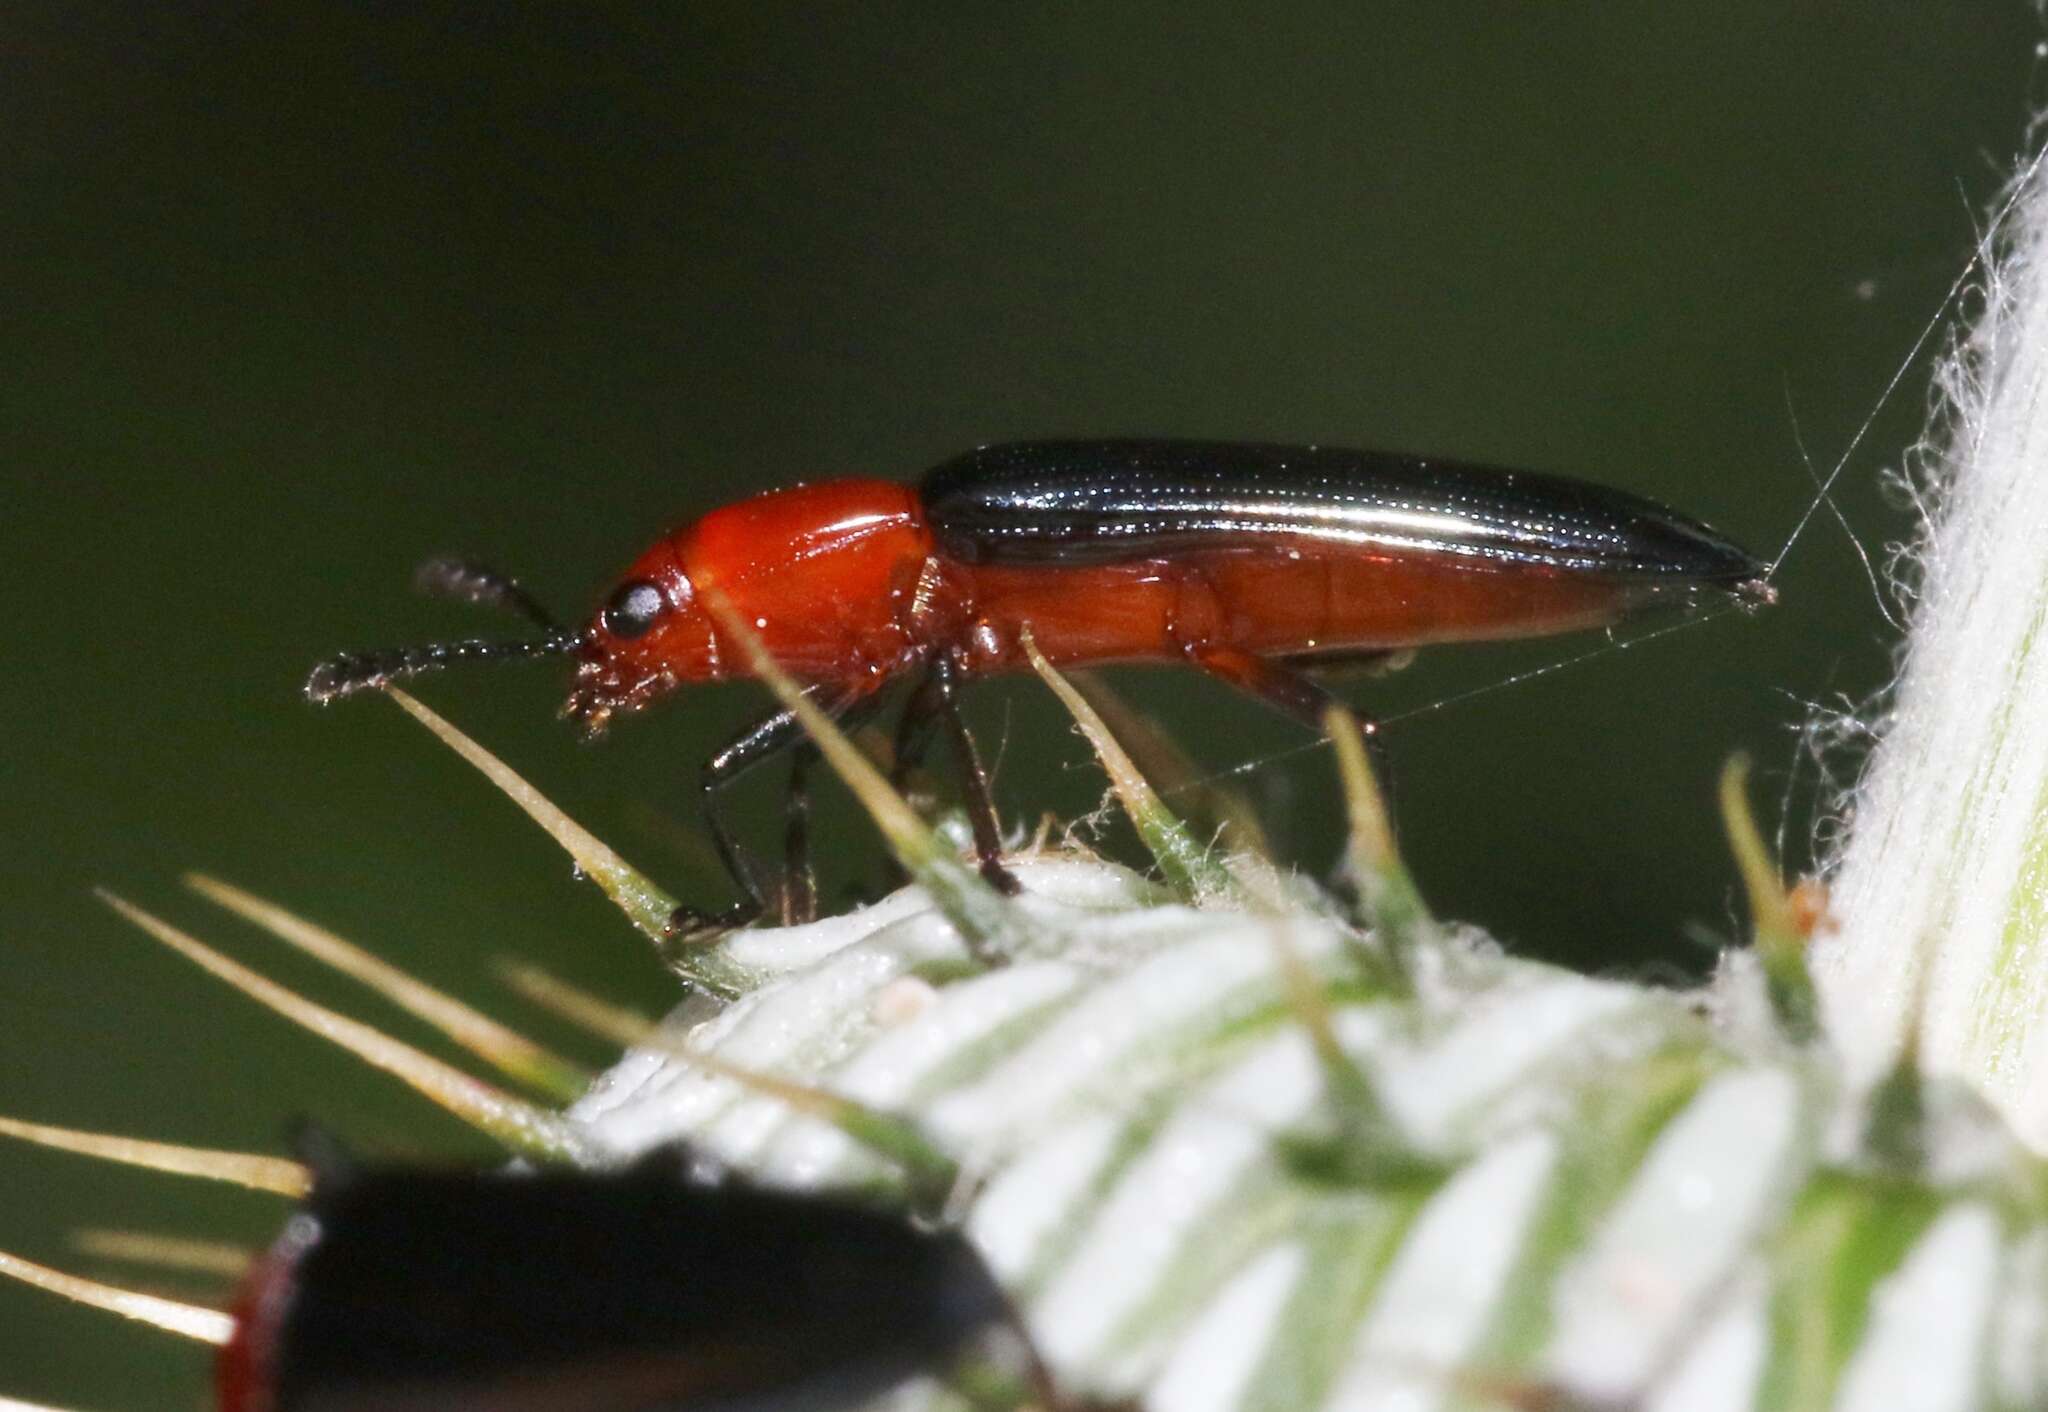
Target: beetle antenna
{"type": "Point", "coordinates": [357, 671]}
{"type": "Point", "coordinates": [471, 582]}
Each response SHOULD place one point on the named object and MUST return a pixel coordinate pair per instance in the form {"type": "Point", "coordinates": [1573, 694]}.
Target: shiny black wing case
{"type": "Point", "coordinates": [1108, 501]}
{"type": "Point", "coordinates": [430, 1290]}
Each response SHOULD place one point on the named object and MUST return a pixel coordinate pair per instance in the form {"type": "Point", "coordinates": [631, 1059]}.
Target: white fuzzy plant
{"type": "Point", "coordinates": [1942, 889]}
{"type": "Point", "coordinates": [1235, 1146]}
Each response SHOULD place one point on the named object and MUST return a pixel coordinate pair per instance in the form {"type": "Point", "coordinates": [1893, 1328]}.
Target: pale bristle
{"type": "Point", "coordinates": [496, 1044]}
{"type": "Point", "coordinates": [647, 906]}
{"type": "Point", "coordinates": [520, 1125]}
{"type": "Point", "coordinates": [204, 1257]}
{"type": "Point", "coordinates": [247, 1169]}
{"type": "Point", "coordinates": [1189, 868]}
{"type": "Point", "coordinates": [191, 1321]}
{"type": "Point", "coordinates": [617, 1024]}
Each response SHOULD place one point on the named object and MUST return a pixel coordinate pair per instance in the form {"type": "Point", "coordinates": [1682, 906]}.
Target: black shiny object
{"type": "Point", "coordinates": [1095, 502]}
{"type": "Point", "coordinates": [632, 610]}
{"type": "Point", "coordinates": [629, 1291]}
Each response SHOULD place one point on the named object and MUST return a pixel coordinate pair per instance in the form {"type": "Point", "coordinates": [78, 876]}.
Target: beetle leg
{"type": "Point", "coordinates": [764, 739]}
{"type": "Point", "coordinates": [799, 891]}
{"type": "Point", "coordinates": [754, 744]}
{"type": "Point", "coordinates": [798, 895]}
{"type": "Point", "coordinates": [915, 728]}
{"type": "Point", "coordinates": [981, 809]}
{"type": "Point", "coordinates": [1379, 662]}
{"type": "Point", "coordinates": [1287, 689]}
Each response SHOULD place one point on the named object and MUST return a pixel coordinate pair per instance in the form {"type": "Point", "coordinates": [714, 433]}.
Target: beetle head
{"type": "Point", "coordinates": [651, 634]}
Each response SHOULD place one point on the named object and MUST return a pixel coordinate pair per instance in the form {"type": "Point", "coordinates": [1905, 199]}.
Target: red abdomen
{"type": "Point", "coordinates": [1313, 601]}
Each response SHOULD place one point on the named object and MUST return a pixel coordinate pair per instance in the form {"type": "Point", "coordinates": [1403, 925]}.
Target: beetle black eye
{"type": "Point", "coordinates": [632, 610]}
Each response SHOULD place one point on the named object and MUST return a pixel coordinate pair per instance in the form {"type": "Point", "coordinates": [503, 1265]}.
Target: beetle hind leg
{"type": "Point", "coordinates": [1289, 690]}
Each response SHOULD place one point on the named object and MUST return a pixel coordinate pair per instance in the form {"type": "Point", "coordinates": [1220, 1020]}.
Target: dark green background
{"type": "Point", "coordinates": [293, 297]}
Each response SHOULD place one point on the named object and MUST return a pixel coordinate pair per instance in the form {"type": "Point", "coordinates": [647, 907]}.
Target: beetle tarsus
{"type": "Point", "coordinates": [1000, 878]}
{"type": "Point", "coordinates": [692, 926]}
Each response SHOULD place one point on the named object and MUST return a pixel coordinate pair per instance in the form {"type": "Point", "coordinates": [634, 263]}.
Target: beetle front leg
{"type": "Point", "coordinates": [753, 745]}
{"type": "Point", "coordinates": [766, 738]}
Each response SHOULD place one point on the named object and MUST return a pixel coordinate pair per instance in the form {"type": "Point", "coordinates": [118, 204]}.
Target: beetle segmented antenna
{"type": "Point", "coordinates": [358, 671]}
{"type": "Point", "coordinates": [470, 582]}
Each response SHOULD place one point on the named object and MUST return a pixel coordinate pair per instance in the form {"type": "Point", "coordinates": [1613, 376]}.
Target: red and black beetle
{"type": "Point", "coordinates": [1252, 562]}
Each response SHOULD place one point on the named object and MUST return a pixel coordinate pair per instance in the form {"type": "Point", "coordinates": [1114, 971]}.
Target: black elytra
{"type": "Point", "coordinates": [640, 1290]}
